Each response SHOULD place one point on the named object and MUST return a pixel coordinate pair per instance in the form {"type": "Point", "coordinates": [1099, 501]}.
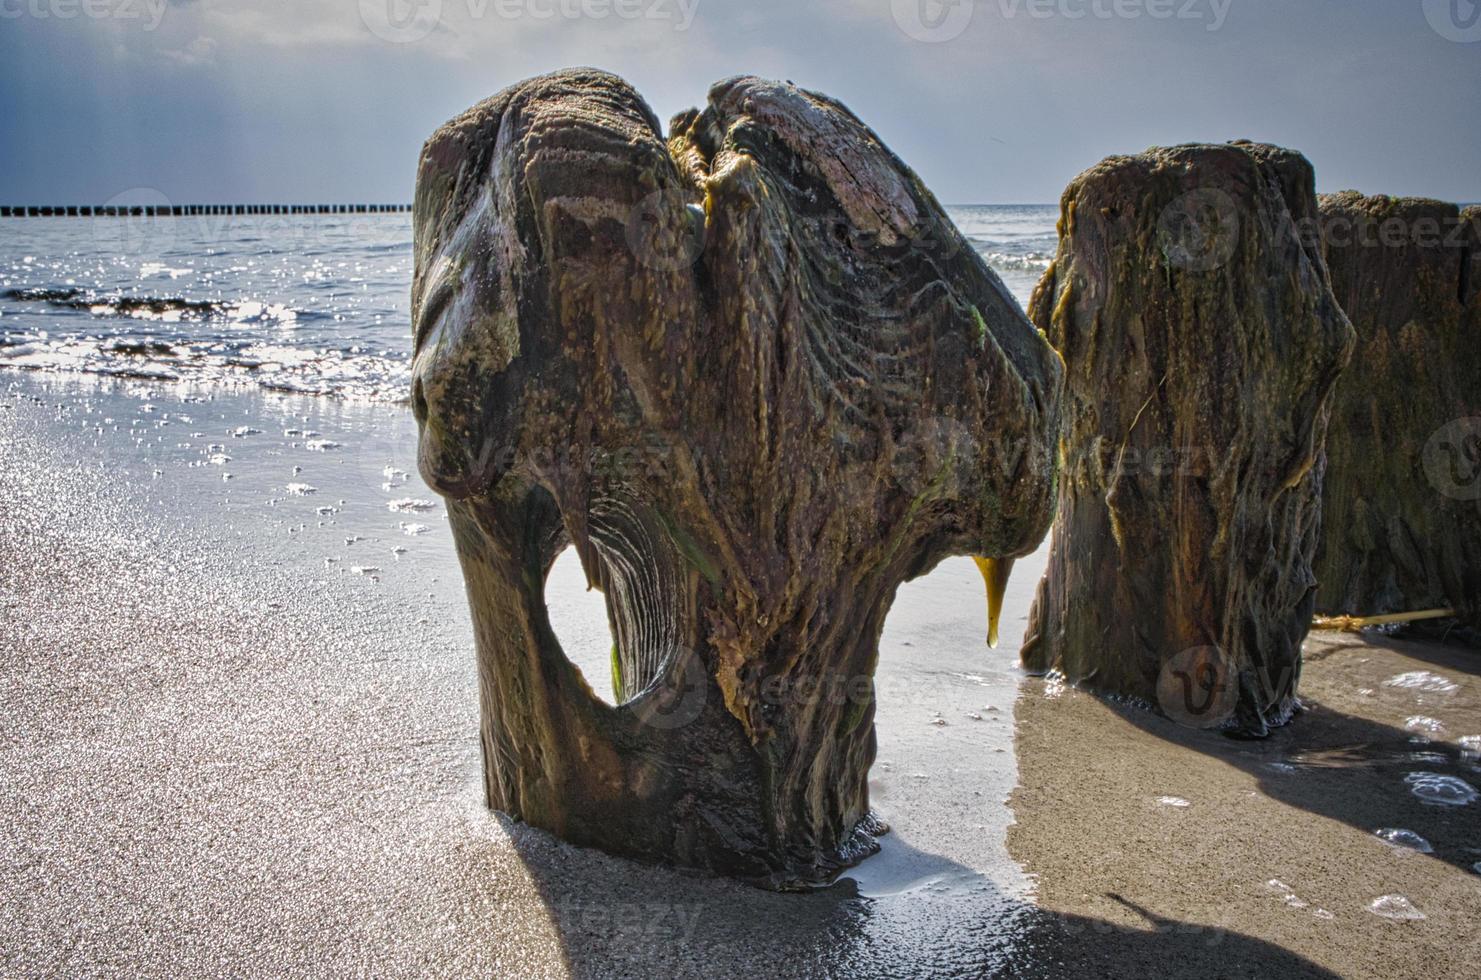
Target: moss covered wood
{"type": "Point", "coordinates": [753, 374]}
{"type": "Point", "coordinates": [1201, 341]}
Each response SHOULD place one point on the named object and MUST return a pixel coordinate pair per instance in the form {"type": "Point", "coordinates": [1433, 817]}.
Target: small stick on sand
{"type": "Point", "coordinates": [1354, 623]}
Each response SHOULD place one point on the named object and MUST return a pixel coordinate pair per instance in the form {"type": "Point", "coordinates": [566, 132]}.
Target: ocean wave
{"type": "Point", "coordinates": [357, 375]}
{"type": "Point", "coordinates": [166, 309]}
{"type": "Point", "coordinates": [1026, 262]}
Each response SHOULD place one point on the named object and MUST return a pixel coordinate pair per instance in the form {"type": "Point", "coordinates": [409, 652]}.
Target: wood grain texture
{"type": "Point", "coordinates": [755, 376]}
{"type": "Point", "coordinates": [1201, 341]}
{"type": "Point", "coordinates": [1403, 489]}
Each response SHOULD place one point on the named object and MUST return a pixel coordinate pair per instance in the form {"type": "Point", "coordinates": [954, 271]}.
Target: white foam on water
{"type": "Point", "coordinates": [149, 269]}
{"type": "Point", "coordinates": [1422, 680]}
{"type": "Point", "coordinates": [301, 489]}
{"type": "Point", "coordinates": [1395, 907]}
{"type": "Point", "coordinates": [1401, 838]}
{"type": "Point", "coordinates": [1287, 894]}
{"type": "Point", "coordinates": [1424, 725]}
{"type": "Point", "coordinates": [899, 869]}
{"type": "Point", "coordinates": [1291, 900]}
{"type": "Point", "coordinates": [410, 505]}
{"type": "Point", "coordinates": [1440, 789]}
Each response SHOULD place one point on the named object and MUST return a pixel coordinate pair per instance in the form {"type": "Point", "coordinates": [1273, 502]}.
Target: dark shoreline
{"type": "Point", "coordinates": [186, 210]}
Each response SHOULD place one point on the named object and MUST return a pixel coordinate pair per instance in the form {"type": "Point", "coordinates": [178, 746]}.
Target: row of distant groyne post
{"type": "Point", "coordinates": [183, 210]}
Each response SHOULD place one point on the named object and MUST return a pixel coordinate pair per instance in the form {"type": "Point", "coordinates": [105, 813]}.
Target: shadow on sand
{"type": "Point", "coordinates": [616, 918]}
{"type": "Point", "coordinates": [1349, 768]}
{"type": "Point", "coordinates": [925, 915]}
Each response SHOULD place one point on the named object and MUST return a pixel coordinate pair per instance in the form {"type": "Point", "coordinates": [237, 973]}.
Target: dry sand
{"type": "Point", "coordinates": [221, 756]}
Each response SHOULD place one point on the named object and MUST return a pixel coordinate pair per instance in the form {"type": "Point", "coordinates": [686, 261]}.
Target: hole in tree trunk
{"type": "Point", "coordinates": [579, 619]}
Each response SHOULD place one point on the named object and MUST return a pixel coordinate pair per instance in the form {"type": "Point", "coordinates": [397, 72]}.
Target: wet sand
{"type": "Point", "coordinates": [223, 750]}
{"type": "Point", "coordinates": [1131, 819]}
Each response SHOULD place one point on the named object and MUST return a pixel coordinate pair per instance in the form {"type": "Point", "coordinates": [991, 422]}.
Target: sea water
{"type": "Point", "coordinates": [307, 304]}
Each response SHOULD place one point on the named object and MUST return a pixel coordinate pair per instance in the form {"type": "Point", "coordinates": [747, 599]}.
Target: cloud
{"type": "Point", "coordinates": [198, 52]}
{"type": "Point", "coordinates": [306, 94]}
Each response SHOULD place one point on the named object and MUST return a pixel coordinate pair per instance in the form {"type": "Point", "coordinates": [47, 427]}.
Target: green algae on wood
{"type": "Point", "coordinates": [979, 328]}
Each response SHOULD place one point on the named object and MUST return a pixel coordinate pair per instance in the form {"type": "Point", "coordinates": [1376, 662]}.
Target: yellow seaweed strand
{"type": "Point", "coordinates": [995, 572]}
{"type": "Point", "coordinates": [1358, 622]}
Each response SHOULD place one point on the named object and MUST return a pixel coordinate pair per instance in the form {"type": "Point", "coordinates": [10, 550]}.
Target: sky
{"type": "Point", "coordinates": [990, 101]}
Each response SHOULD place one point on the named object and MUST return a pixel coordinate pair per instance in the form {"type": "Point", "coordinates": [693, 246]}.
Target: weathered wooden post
{"type": "Point", "coordinates": [1201, 341]}
{"type": "Point", "coordinates": [1402, 523]}
{"type": "Point", "coordinates": [757, 379]}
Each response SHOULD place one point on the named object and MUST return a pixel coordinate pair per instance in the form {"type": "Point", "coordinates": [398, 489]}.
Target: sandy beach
{"type": "Point", "coordinates": [907, 417]}
{"type": "Point", "coordinates": [240, 736]}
